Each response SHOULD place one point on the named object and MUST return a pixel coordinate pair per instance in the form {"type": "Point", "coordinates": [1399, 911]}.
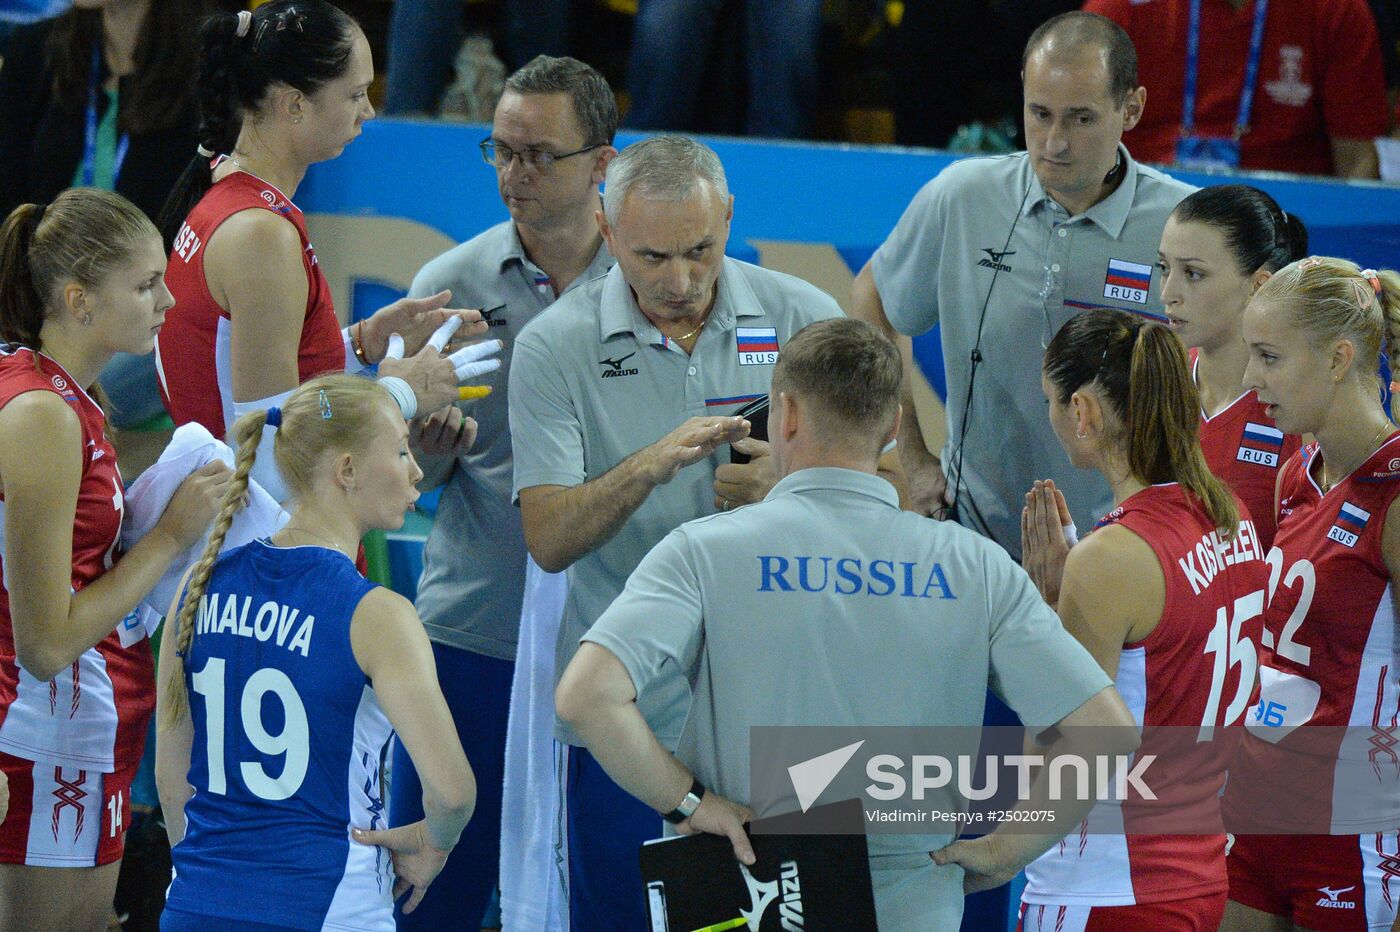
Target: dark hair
{"type": "Point", "coordinates": [1077, 28]}
{"type": "Point", "coordinates": [850, 371]}
{"type": "Point", "coordinates": [1258, 233]}
{"type": "Point", "coordinates": [303, 44]}
{"type": "Point", "coordinates": [79, 238]}
{"type": "Point", "coordinates": [1141, 372]}
{"type": "Point", "coordinates": [161, 86]}
{"type": "Point", "coordinates": [593, 100]}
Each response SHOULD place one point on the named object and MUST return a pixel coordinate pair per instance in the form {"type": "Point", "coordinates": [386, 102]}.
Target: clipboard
{"type": "Point", "coordinates": [695, 884]}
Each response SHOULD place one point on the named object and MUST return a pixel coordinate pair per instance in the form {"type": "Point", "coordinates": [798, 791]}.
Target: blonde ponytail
{"type": "Point", "coordinates": [246, 433]}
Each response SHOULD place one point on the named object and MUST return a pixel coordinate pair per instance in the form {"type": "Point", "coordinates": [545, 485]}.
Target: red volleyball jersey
{"type": "Point", "coordinates": [193, 352]}
{"type": "Point", "coordinates": [1332, 653]}
{"type": "Point", "coordinates": [94, 714]}
{"type": "Point", "coordinates": [1196, 670]}
{"type": "Point", "coordinates": [1244, 449]}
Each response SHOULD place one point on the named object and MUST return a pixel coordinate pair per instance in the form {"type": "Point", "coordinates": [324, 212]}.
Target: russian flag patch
{"type": "Point", "coordinates": [1260, 444]}
{"type": "Point", "coordinates": [757, 346]}
{"type": "Point", "coordinates": [1127, 281]}
{"type": "Point", "coordinates": [1351, 521]}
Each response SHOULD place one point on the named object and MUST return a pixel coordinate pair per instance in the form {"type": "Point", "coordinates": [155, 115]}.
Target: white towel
{"type": "Point", "coordinates": [534, 846]}
{"type": "Point", "coordinates": [189, 449]}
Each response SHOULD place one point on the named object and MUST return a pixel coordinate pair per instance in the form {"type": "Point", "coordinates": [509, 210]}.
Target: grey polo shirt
{"type": "Point", "coordinates": [846, 636]}
{"type": "Point", "coordinates": [594, 382]}
{"type": "Point", "coordinates": [474, 561]}
{"type": "Point", "coordinates": [937, 267]}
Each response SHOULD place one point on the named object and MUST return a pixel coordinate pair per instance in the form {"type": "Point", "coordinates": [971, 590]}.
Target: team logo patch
{"type": "Point", "coordinates": [1127, 281]}
{"type": "Point", "coordinates": [1351, 521]}
{"type": "Point", "coordinates": [757, 346]}
{"type": "Point", "coordinates": [1260, 444]}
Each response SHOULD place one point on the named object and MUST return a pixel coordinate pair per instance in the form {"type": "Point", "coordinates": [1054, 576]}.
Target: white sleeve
{"type": "Point", "coordinates": [265, 471]}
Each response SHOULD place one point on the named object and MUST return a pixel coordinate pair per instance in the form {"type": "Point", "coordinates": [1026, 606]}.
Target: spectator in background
{"type": "Point", "coordinates": [122, 73]}
{"type": "Point", "coordinates": [424, 36]}
{"type": "Point", "coordinates": [1313, 95]}
{"type": "Point", "coordinates": [671, 42]}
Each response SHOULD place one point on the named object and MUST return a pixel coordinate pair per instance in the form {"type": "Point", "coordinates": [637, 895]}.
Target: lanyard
{"type": "Point", "coordinates": [89, 164]}
{"type": "Point", "coordinates": [1251, 68]}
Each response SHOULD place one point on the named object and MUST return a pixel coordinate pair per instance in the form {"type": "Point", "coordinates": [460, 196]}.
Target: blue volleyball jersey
{"type": "Point", "coordinates": [289, 745]}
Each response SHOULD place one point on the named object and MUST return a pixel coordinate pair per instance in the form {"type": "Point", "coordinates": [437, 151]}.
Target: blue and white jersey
{"type": "Point", "coordinates": [289, 746]}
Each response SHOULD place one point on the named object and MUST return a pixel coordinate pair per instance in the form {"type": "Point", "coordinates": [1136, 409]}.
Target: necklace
{"type": "Point", "coordinates": [1370, 449]}
{"type": "Point", "coordinates": [703, 321]}
{"type": "Point", "coordinates": [324, 540]}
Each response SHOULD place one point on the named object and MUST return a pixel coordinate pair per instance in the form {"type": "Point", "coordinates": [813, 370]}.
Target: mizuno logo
{"type": "Point", "coordinates": [993, 260]}
{"type": "Point", "coordinates": [615, 369]}
{"type": "Point", "coordinates": [489, 315]}
{"type": "Point", "coordinates": [1329, 899]}
{"type": "Point", "coordinates": [763, 893]}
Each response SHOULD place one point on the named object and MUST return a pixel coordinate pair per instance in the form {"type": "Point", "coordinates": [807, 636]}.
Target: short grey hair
{"type": "Point", "coordinates": [593, 101]}
{"type": "Point", "coordinates": [663, 168]}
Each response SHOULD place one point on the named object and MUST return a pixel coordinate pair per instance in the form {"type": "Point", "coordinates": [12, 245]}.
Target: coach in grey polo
{"type": "Point", "coordinates": [622, 398]}
{"type": "Point", "coordinates": [549, 146]}
{"type": "Point", "coordinates": [593, 381]}
{"type": "Point", "coordinates": [1033, 238]}
{"type": "Point", "coordinates": [825, 604]}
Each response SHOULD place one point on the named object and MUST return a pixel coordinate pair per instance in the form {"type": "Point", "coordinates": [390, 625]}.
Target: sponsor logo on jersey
{"type": "Point", "coordinates": [612, 368]}
{"type": "Point", "coordinates": [757, 346]}
{"type": "Point", "coordinates": [993, 260]}
{"type": "Point", "coordinates": [1127, 281]}
{"type": "Point", "coordinates": [489, 315]}
{"type": "Point", "coordinates": [1351, 521]}
{"type": "Point", "coordinates": [763, 893]}
{"type": "Point", "coordinates": [1260, 444]}
{"type": "Point", "coordinates": [1329, 900]}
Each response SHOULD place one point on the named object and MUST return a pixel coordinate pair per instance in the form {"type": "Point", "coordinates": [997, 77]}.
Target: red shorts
{"type": "Point", "coordinates": [1323, 882]}
{"type": "Point", "coordinates": [1196, 914]}
{"type": "Point", "coordinates": [63, 816]}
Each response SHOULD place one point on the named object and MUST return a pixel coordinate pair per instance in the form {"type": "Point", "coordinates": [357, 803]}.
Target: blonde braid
{"type": "Point", "coordinates": [248, 433]}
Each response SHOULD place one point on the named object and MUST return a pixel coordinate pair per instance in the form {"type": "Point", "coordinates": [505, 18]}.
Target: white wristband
{"type": "Point", "coordinates": [402, 393]}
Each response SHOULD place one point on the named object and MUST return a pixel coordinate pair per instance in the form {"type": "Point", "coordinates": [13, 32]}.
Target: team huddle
{"type": "Point", "coordinates": [1174, 508]}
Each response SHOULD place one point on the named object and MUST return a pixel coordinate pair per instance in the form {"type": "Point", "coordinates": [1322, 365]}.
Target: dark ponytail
{"type": "Point", "coordinates": [1258, 232]}
{"type": "Point", "coordinates": [1142, 374]}
{"type": "Point", "coordinates": [301, 44]}
{"type": "Point", "coordinates": [21, 305]}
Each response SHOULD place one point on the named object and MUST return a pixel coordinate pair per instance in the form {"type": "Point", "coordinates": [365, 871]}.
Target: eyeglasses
{"type": "Point", "coordinates": [499, 155]}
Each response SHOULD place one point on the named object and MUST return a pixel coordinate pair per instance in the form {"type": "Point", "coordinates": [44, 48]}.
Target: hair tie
{"type": "Point", "coordinates": [245, 20]}
{"type": "Point", "coordinates": [274, 417]}
{"type": "Point", "coordinates": [203, 152]}
{"type": "Point", "coordinates": [1374, 278]}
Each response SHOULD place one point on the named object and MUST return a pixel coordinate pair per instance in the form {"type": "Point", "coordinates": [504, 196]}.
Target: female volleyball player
{"type": "Point", "coordinates": [1330, 674]}
{"type": "Point", "coordinates": [1180, 646]}
{"type": "Point", "coordinates": [279, 89]}
{"type": "Point", "coordinates": [1219, 245]}
{"type": "Point", "coordinates": [288, 674]}
{"type": "Point", "coordinates": [80, 280]}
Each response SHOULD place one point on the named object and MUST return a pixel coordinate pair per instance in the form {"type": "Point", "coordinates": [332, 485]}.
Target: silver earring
{"type": "Point", "coordinates": [87, 320]}
{"type": "Point", "coordinates": [1081, 435]}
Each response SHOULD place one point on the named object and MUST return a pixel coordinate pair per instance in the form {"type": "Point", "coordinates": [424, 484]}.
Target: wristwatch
{"type": "Point", "coordinates": [687, 806]}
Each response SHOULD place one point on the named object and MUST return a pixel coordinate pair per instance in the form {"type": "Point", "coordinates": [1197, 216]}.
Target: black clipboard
{"type": "Point", "coordinates": [694, 882]}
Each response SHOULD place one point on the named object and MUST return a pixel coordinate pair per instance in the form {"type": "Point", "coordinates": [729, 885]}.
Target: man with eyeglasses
{"type": "Point", "coordinates": [550, 144]}
{"type": "Point", "coordinates": [623, 404]}
{"type": "Point", "coordinates": [1001, 252]}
